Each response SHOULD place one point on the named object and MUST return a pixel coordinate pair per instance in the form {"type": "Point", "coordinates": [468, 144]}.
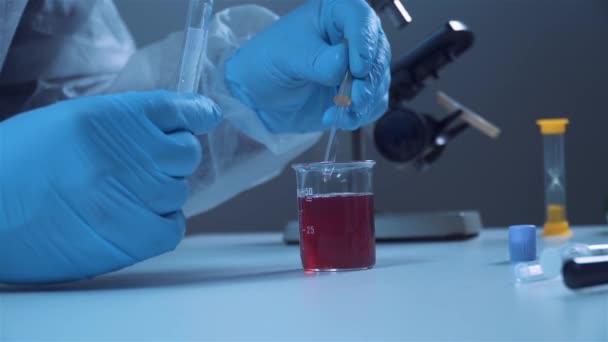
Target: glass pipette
{"type": "Point", "coordinates": [342, 101]}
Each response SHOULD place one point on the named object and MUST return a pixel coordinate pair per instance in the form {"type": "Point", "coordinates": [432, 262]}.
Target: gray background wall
{"type": "Point", "coordinates": [531, 59]}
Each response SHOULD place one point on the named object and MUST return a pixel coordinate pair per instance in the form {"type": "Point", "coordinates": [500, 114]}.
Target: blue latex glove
{"type": "Point", "coordinates": [96, 184]}
{"type": "Point", "coordinates": [290, 72]}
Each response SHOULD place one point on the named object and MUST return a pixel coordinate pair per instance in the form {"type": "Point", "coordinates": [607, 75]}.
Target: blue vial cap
{"type": "Point", "coordinates": [522, 243]}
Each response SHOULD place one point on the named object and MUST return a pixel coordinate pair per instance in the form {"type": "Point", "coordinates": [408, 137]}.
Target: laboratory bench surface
{"type": "Point", "coordinates": [251, 287]}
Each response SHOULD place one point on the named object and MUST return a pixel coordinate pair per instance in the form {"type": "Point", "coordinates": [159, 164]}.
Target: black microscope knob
{"type": "Point", "coordinates": [401, 135]}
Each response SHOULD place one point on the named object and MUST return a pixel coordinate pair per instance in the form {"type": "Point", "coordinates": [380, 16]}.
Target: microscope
{"type": "Point", "coordinates": [408, 137]}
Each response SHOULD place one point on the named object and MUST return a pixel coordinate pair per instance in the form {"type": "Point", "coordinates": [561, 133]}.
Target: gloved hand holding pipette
{"type": "Point", "coordinates": [290, 73]}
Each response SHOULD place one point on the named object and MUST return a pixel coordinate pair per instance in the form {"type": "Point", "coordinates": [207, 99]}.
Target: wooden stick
{"type": "Point", "coordinates": [468, 115]}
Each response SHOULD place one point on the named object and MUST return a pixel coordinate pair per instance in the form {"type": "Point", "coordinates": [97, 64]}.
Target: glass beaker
{"type": "Point", "coordinates": [336, 215]}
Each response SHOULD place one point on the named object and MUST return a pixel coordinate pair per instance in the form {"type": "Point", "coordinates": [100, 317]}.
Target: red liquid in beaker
{"type": "Point", "coordinates": [337, 231]}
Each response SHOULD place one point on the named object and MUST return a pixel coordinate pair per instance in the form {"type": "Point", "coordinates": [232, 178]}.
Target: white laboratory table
{"type": "Point", "coordinates": [251, 287]}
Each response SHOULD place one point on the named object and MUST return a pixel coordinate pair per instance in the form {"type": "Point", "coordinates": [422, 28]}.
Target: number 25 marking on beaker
{"type": "Point", "coordinates": [309, 230]}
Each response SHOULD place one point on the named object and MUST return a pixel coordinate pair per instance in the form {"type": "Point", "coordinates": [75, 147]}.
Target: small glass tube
{"type": "Point", "coordinates": [191, 68]}
{"type": "Point", "coordinates": [552, 259]}
{"type": "Point", "coordinates": [195, 45]}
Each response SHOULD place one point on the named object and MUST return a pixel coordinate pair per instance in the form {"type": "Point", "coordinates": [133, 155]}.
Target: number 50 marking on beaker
{"type": "Point", "coordinates": [309, 230]}
{"type": "Point", "coordinates": [307, 192]}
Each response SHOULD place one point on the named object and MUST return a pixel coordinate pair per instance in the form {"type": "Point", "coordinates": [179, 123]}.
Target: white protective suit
{"type": "Point", "coordinates": [51, 50]}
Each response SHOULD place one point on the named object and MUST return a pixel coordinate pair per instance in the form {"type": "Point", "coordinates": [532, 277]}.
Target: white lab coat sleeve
{"type": "Point", "coordinates": [59, 50]}
{"type": "Point", "coordinates": [241, 153]}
